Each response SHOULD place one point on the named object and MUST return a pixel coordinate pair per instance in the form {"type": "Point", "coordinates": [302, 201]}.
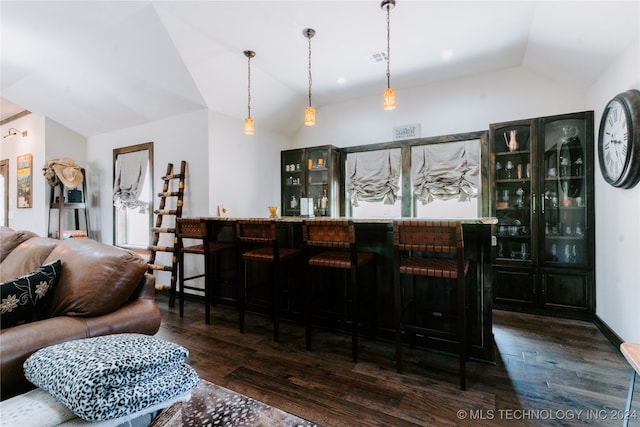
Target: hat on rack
{"type": "Point", "coordinates": [66, 170]}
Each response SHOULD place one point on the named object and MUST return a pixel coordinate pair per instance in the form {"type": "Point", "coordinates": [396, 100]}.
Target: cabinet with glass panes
{"type": "Point", "coordinates": [542, 172]}
{"type": "Point", "coordinates": [310, 181]}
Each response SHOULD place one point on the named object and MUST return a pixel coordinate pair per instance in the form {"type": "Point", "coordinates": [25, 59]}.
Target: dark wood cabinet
{"type": "Point", "coordinates": [311, 181]}
{"type": "Point", "coordinates": [542, 177]}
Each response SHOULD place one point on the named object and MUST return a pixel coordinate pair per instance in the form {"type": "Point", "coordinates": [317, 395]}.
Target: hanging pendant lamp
{"type": "Point", "coordinates": [248, 122]}
{"type": "Point", "coordinates": [389, 95]}
{"type": "Point", "coordinates": [309, 111]}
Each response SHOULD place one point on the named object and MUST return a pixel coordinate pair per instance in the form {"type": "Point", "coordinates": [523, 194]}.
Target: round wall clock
{"type": "Point", "coordinates": [619, 140]}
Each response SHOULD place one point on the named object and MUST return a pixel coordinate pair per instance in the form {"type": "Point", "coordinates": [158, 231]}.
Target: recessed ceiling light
{"type": "Point", "coordinates": [446, 54]}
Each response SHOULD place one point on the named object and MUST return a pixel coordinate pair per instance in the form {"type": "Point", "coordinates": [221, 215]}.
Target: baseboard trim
{"type": "Point", "coordinates": [608, 332]}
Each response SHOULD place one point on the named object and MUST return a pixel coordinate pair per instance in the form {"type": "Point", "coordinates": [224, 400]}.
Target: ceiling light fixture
{"type": "Point", "coordinates": [389, 95]}
{"type": "Point", "coordinates": [309, 112]}
{"type": "Point", "coordinates": [13, 132]}
{"type": "Point", "coordinates": [248, 122]}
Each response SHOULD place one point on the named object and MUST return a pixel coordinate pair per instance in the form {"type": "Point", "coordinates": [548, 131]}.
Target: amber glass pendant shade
{"type": "Point", "coordinates": [248, 126]}
{"type": "Point", "coordinates": [389, 99]}
{"type": "Point", "coordinates": [309, 116]}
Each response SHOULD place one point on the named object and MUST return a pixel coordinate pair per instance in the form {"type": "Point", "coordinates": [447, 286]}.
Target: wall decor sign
{"type": "Point", "coordinates": [406, 132]}
{"type": "Point", "coordinates": [25, 173]}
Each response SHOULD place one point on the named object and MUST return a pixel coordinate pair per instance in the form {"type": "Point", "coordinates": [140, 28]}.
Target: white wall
{"type": "Point", "coordinates": [244, 171]}
{"type": "Point", "coordinates": [34, 218]}
{"type": "Point", "coordinates": [617, 217]}
{"type": "Point", "coordinates": [177, 138]}
{"type": "Point", "coordinates": [456, 106]}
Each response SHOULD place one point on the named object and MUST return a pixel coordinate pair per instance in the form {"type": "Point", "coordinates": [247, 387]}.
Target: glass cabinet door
{"type": "Point", "coordinates": [318, 179]}
{"type": "Point", "coordinates": [292, 178]}
{"type": "Point", "coordinates": [514, 192]}
{"type": "Point", "coordinates": [563, 201]}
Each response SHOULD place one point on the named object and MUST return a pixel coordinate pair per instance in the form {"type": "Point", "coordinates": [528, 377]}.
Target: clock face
{"type": "Point", "coordinates": [619, 140]}
{"type": "Point", "coordinates": [615, 140]}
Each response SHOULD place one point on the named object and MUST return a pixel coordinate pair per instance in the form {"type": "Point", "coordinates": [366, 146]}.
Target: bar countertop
{"type": "Point", "coordinates": [295, 219]}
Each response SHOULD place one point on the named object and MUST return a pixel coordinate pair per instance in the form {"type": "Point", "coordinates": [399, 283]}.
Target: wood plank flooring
{"type": "Point", "coordinates": [548, 371]}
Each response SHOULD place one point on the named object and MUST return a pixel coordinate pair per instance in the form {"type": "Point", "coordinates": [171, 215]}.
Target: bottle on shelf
{"type": "Point", "coordinates": [324, 203]}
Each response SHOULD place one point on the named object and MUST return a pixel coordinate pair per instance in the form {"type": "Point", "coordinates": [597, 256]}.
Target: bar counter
{"type": "Point", "coordinates": [376, 235]}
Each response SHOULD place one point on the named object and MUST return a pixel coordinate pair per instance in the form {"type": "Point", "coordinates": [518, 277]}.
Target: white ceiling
{"type": "Point", "coordinates": [98, 66]}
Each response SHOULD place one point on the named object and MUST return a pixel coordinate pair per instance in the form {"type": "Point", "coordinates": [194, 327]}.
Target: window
{"type": "Point", "coordinates": [133, 195]}
{"type": "Point", "coordinates": [445, 179]}
{"type": "Point", "coordinates": [373, 183]}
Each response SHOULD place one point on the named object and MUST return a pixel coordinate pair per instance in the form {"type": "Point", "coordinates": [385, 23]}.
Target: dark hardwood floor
{"type": "Point", "coordinates": [548, 371]}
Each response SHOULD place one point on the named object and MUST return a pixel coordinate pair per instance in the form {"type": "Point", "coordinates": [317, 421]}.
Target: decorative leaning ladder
{"type": "Point", "coordinates": [160, 228]}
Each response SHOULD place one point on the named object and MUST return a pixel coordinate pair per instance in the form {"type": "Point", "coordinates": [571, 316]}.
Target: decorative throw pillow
{"type": "Point", "coordinates": [111, 376]}
{"type": "Point", "coordinates": [24, 299]}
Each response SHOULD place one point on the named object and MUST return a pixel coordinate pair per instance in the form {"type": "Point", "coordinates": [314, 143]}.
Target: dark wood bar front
{"type": "Point", "coordinates": [376, 236]}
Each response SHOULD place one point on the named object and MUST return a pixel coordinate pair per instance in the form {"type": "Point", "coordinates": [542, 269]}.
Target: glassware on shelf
{"type": "Point", "coordinates": [520, 199]}
{"type": "Point", "coordinates": [509, 169]}
{"type": "Point", "coordinates": [577, 167]}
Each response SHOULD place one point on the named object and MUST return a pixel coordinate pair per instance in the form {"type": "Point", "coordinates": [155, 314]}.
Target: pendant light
{"type": "Point", "coordinates": [389, 95]}
{"type": "Point", "coordinates": [248, 122]}
{"type": "Point", "coordinates": [309, 112]}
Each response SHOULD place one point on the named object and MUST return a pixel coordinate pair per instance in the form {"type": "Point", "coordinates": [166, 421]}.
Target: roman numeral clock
{"type": "Point", "coordinates": [619, 140]}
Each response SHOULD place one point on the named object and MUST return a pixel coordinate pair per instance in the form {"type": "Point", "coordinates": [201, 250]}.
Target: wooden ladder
{"type": "Point", "coordinates": [160, 228]}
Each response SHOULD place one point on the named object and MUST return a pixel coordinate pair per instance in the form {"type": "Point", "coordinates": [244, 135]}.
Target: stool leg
{"type": "Point", "coordinates": [353, 285]}
{"type": "Point", "coordinates": [242, 291]}
{"type": "Point", "coordinates": [308, 315]}
{"type": "Point", "coordinates": [462, 331]}
{"type": "Point", "coordinates": [181, 283]}
{"type": "Point", "coordinates": [398, 318]}
{"type": "Point", "coordinates": [627, 408]}
{"type": "Point", "coordinates": [277, 291]}
{"type": "Point", "coordinates": [207, 290]}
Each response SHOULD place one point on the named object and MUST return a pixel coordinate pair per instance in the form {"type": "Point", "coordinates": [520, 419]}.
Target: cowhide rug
{"type": "Point", "coordinates": [213, 405]}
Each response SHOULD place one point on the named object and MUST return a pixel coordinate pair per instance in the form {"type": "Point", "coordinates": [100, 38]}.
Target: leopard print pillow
{"type": "Point", "coordinates": [108, 377]}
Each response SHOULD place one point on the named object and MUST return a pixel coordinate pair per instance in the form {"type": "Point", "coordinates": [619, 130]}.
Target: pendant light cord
{"type": "Point", "coordinates": [309, 37]}
{"type": "Point", "coordinates": [249, 86]}
{"type": "Point", "coordinates": [388, 48]}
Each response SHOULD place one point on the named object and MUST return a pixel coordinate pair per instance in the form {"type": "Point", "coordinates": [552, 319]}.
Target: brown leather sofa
{"type": "Point", "coordinates": [101, 290]}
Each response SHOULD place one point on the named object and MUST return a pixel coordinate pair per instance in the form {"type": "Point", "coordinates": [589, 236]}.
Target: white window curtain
{"type": "Point", "coordinates": [373, 176]}
{"type": "Point", "coordinates": [446, 171]}
{"type": "Point", "coordinates": [131, 169]}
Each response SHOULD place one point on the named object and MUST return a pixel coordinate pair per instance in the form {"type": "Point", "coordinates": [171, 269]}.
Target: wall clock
{"type": "Point", "coordinates": [619, 140]}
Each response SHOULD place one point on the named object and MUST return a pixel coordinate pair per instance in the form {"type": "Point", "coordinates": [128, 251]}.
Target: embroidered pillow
{"type": "Point", "coordinates": [24, 299]}
{"type": "Point", "coordinates": [111, 376]}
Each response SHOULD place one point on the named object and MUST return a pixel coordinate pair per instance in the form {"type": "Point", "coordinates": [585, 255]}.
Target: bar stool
{"type": "Point", "coordinates": [331, 243]}
{"type": "Point", "coordinates": [258, 240]}
{"type": "Point", "coordinates": [631, 352]}
{"type": "Point", "coordinates": [433, 249]}
{"type": "Point", "coordinates": [196, 229]}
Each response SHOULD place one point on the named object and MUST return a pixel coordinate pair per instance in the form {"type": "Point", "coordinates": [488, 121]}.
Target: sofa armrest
{"type": "Point", "coordinates": [140, 315]}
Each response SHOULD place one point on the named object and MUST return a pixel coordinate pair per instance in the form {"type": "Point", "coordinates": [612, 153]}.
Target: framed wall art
{"type": "Point", "coordinates": [25, 173]}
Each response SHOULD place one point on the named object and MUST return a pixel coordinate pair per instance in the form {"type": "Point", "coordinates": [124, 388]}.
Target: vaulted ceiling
{"type": "Point", "coordinates": [98, 66]}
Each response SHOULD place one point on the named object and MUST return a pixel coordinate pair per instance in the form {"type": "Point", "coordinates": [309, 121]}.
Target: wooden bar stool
{"type": "Point", "coordinates": [631, 352]}
{"type": "Point", "coordinates": [432, 249]}
{"type": "Point", "coordinates": [196, 229]}
{"type": "Point", "coordinates": [331, 243]}
{"type": "Point", "coordinates": [258, 240]}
